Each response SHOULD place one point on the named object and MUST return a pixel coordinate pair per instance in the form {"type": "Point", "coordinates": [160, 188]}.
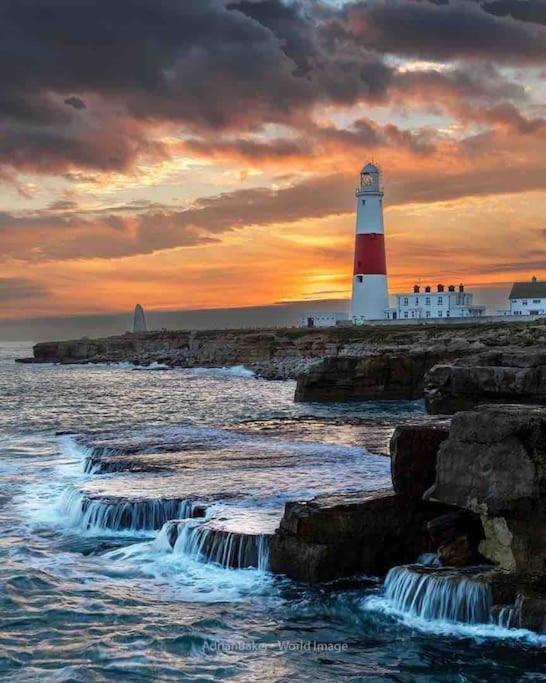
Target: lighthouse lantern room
{"type": "Point", "coordinates": [370, 292]}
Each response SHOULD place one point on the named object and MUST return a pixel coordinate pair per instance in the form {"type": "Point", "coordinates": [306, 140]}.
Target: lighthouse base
{"type": "Point", "coordinates": [370, 298]}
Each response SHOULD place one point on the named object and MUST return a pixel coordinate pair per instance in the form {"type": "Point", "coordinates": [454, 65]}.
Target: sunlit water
{"type": "Point", "coordinates": [84, 603]}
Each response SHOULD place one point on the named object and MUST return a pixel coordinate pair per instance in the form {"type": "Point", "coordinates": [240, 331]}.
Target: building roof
{"type": "Point", "coordinates": [536, 289]}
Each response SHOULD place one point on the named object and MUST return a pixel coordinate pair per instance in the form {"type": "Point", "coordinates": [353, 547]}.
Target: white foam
{"type": "Point", "coordinates": [228, 371]}
{"type": "Point", "coordinates": [449, 628]}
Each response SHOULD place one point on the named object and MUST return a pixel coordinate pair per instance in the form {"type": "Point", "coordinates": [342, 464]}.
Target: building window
{"type": "Point", "coordinates": [417, 301]}
{"type": "Point", "coordinates": [405, 314]}
{"type": "Point", "coordinates": [524, 303]}
{"type": "Point", "coordinates": [427, 301]}
{"type": "Point", "coordinates": [440, 300]}
{"type": "Point", "coordinates": [427, 315]}
{"type": "Point", "coordinates": [537, 301]}
{"type": "Point", "coordinates": [406, 302]}
{"type": "Point", "coordinates": [440, 314]}
{"type": "Point", "coordinates": [359, 278]}
{"type": "Point", "coordinates": [363, 201]}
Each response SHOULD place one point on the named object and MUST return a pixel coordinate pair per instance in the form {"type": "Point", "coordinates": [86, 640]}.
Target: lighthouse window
{"type": "Point", "coordinates": [363, 201]}
{"type": "Point", "coordinates": [359, 278]}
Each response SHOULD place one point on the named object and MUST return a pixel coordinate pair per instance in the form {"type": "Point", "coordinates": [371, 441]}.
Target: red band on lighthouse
{"type": "Point", "coordinates": [370, 254]}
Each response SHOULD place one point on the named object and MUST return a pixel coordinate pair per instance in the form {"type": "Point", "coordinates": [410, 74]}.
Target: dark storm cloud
{"type": "Point", "coordinates": [75, 102]}
{"type": "Point", "coordinates": [524, 10]}
{"type": "Point", "coordinates": [85, 82]}
{"type": "Point", "coordinates": [17, 288]}
{"type": "Point", "coordinates": [451, 31]}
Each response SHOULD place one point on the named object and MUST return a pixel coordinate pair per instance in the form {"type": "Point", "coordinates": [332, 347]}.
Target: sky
{"type": "Point", "coordinates": [203, 154]}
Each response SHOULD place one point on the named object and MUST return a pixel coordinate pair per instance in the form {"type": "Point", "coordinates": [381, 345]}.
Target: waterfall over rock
{"type": "Point", "coordinates": [438, 595]}
{"type": "Point", "coordinates": [228, 543]}
{"type": "Point", "coordinates": [122, 514]}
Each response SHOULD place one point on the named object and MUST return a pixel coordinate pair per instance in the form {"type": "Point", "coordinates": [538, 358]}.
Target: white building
{"type": "Point", "coordinates": [370, 295]}
{"type": "Point", "coordinates": [450, 302]}
{"type": "Point", "coordinates": [323, 319]}
{"type": "Point", "coordinates": [528, 298]}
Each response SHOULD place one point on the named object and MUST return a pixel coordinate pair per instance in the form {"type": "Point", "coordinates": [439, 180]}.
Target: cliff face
{"type": "Point", "coordinates": [291, 353]}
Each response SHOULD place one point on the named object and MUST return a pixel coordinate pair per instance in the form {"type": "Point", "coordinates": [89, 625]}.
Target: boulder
{"type": "Point", "coordinates": [494, 459]}
{"type": "Point", "coordinates": [507, 376]}
{"type": "Point", "coordinates": [457, 553]}
{"type": "Point", "coordinates": [385, 376]}
{"type": "Point", "coordinates": [456, 535]}
{"type": "Point", "coordinates": [494, 464]}
{"type": "Point", "coordinates": [335, 536]}
{"type": "Point", "coordinates": [414, 449]}
{"type": "Point", "coordinates": [532, 612]}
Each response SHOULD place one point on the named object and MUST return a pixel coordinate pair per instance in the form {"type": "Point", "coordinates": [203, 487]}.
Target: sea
{"type": "Point", "coordinates": [91, 591]}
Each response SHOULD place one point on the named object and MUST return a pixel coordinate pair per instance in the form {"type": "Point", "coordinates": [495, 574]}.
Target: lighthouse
{"type": "Point", "coordinates": [370, 292]}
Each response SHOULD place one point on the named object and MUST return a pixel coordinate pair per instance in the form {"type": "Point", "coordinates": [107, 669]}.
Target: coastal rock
{"type": "Point", "coordinates": [458, 553]}
{"type": "Point", "coordinates": [335, 536]}
{"type": "Point", "coordinates": [457, 536]}
{"type": "Point", "coordinates": [494, 459]}
{"type": "Point", "coordinates": [413, 450]}
{"type": "Point", "coordinates": [386, 376]}
{"type": "Point", "coordinates": [508, 376]}
{"type": "Point", "coordinates": [494, 464]}
{"type": "Point", "coordinates": [285, 353]}
{"type": "Point", "coordinates": [532, 612]}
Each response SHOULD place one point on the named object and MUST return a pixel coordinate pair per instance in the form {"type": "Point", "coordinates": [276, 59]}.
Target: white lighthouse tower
{"type": "Point", "coordinates": [370, 290]}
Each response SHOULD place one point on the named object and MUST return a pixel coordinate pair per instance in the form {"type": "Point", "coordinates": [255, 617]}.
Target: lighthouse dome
{"type": "Point", "coordinates": [370, 168]}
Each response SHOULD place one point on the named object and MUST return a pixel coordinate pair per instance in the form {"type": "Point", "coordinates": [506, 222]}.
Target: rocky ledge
{"type": "Point", "coordinates": [366, 362]}
{"type": "Point", "coordinates": [474, 498]}
{"type": "Point", "coordinates": [503, 376]}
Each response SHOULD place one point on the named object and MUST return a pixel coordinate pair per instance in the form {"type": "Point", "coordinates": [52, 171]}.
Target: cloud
{"type": "Point", "coordinates": [91, 88]}
{"type": "Point", "coordinates": [48, 235]}
{"type": "Point", "coordinates": [533, 11]}
{"type": "Point", "coordinates": [75, 102]}
{"type": "Point", "coordinates": [18, 289]}
{"type": "Point", "coordinates": [61, 232]}
{"type": "Point", "coordinates": [457, 30]}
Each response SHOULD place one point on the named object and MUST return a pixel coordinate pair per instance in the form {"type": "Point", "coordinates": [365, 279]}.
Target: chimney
{"type": "Point", "coordinates": [416, 289]}
{"type": "Point", "coordinates": [461, 287]}
{"type": "Point", "coordinates": [534, 279]}
{"type": "Point", "coordinates": [440, 288]}
{"type": "Point", "coordinates": [427, 289]}
{"type": "Point", "coordinates": [451, 288]}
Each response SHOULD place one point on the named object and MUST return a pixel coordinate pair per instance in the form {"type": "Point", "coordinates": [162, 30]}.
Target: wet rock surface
{"type": "Point", "coordinates": [413, 451]}
{"type": "Point", "coordinates": [334, 536]}
{"type": "Point", "coordinates": [385, 376]}
{"type": "Point", "coordinates": [494, 464]}
{"type": "Point", "coordinates": [507, 376]}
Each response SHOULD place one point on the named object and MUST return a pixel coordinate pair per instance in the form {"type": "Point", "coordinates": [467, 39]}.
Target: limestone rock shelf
{"type": "Point", "coordinates": [362, 363]}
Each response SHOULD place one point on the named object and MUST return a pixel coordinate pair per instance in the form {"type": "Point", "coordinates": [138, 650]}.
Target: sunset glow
{"type": "Point", "coordinates": [219, 169]}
